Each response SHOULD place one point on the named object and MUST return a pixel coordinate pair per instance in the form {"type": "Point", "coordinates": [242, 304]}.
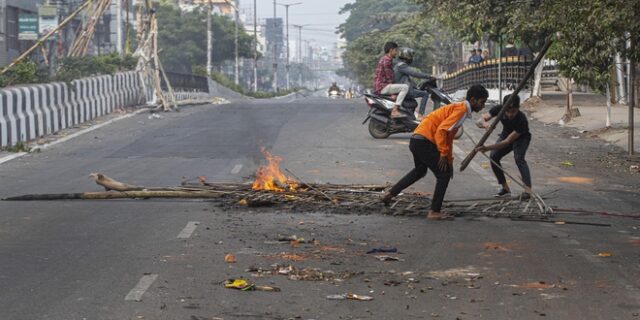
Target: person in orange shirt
{"type": "Point", "coordinates": [432, 147]}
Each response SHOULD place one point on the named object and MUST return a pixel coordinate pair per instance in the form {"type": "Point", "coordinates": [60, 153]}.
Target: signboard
{"type": "Point", "coordinates": [28, 26]}
{"type": "Point", "coordinates": [48, 19]}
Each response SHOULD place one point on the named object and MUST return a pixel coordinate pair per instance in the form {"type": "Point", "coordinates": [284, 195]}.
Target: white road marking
{"type": "Point", "coordinates": [11, 157]}
{"type": "Point", "coordinates": [143, 285]}
{"type": "Point", "coordinates": [188, 230]}
{"type": "Point", "coordinates": [236, 169]}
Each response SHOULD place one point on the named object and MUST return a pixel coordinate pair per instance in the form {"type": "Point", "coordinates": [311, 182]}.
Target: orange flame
{"type": "Point", "coordinates": [269, 177]}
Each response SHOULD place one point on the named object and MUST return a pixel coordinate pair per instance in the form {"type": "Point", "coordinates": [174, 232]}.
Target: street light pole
{"type": "Point", "coordinates": [286, 7]}
{"type": "Point", "coordinates": [299, 52]}
{"type": "Point", "coordinates": [255, 46]}
{"type": "Point", "coordinates": [632, 98]}
{"type": "Point", "coordinates": [275, 51]}
{"type": "Point", "coordinates": [237, 71]}
{"type": "Point", "coordinates": [209, 39]}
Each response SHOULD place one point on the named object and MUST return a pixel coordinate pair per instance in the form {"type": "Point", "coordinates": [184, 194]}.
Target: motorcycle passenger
{"type": "Point", "coordinates": [383, 79]}
{"type": "Point", "coordinates": [402, 73]}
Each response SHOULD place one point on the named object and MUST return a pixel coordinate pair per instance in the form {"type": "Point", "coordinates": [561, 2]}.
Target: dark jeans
{"type": "Point", "coordinates": [425, 156]}
{"type": "Point", "coordinates": [413, 93]}
{"type": "Point", "coordinates": [519, 148]}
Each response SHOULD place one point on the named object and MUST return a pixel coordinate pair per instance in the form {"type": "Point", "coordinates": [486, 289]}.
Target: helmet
{"type": "Point", "coordinates": [406, 54]}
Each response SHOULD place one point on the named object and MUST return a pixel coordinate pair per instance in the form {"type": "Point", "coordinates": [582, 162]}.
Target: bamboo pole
{"type": "Point", "coordinates": [117, 195]}
{"type": "Point", "coordinates": [44, 38]}
{"type": "Point", "coordinates": [521, 85]}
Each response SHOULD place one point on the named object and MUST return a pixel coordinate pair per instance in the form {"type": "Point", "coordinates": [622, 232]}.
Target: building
{"type": "Point", "coordinates": [10, 11]}
{"type": "Point", "coordinates": [274, 36]}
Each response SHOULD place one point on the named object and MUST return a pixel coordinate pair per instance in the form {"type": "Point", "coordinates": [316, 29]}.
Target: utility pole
{"type": "Point", "coordinates": [632, 98]}
{"type": "Point", "coordinates": [299, 52]}
{"type": "Point", "coordinates": [286, 7]}
{"type": "Point", "coordinates": [237, 71]}
{"type": "Point", "coordinates": [275, 51]}
{"type": "Point", "coordinates": [119, 27]}
{"type": "Point", "coordinates": [209, 39]}
{"type": "Point", "coordinates": [255, 46]}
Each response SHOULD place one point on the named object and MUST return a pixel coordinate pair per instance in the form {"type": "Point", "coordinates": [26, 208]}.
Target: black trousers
{"type": "Point", "coordinates": [519, 148]}
{"type": "Point", "coordinates": [425, 156]}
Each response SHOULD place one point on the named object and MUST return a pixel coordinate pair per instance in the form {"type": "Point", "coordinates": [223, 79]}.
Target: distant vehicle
{"type": "Point", "coordinates": [381, 125]}
{"type": "Point", "coordinates": [334, 91]}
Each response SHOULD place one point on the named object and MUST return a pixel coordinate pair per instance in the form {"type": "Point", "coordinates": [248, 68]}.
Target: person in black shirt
{"type": "Point", "coordinates": [515, 136]}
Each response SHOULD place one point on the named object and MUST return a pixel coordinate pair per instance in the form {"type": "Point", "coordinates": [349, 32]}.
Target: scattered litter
{"type": "Point", "coordinates": [567, 163]}
{"type": "Point", "coordinates": [382, 250]}
{"type": "Point", "coordinates": [155, 116]}
{"type": "Point", "coordinates": [535, 285]}
{"type": "Point", "coordinates": [605, 254]}
{"type": "Point", "coordinates": [467, 272]}
{"type": "Point", "coordinates": [634, 167]}
{"type": "Point", "coordinates": [388, 258]}
{"type": "Point", "coordinates": [349, 296]}
{"type": "Point", "coordinates": [244, 285]}
{"type": "Point", "coordinates": [219, 100]}
{"type": "Point", "coordinates": [229, 258]}
{"type": "Point", "coordinates": [243, 202]}
{"type": "Point", "coordinates": [575, 137]}
{"type": "Point", "coordinates": [304, 274]}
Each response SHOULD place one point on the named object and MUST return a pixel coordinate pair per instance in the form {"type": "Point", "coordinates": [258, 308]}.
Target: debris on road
{"type": "Point", "coordinates": [244, 285]}
{"type": "Point", "coordinates": [302, 274]}
{"type": "Point", "coordinates": [387, 258]}
{"type": "Point", "coordinates": [605, 254]}
{"type": "Point", "coordinates": [229, 258]}
{"type": "Point", "coordinates": [349, 296]}
{"type": "Point", "coordinates": [382, 250]}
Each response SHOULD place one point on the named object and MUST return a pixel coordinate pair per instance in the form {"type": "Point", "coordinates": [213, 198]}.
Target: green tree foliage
{"type": "Point", "coordinates": [182, 38]}
{"type": "Point", "coordinates": [592, 31]}
{"type": "Point", "coordinates": [373, 22]}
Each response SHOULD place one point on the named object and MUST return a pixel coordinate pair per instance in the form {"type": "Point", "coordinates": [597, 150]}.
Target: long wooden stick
{"type": "Point", "coordinates": [117, 195]}
{"type": "Point", "coordinates": [520, 86]}
{"type": "Point", "coordinates": [44, 38]}
{"type": "Point", "coordinates": [541, 204]}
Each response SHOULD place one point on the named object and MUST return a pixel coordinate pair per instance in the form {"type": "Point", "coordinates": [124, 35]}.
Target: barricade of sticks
{"type": "Point", "coordinates": [334, 198]}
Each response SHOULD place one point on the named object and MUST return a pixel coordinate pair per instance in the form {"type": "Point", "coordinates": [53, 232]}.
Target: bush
{"type": "Point", "coordinates": [23, 73]}
{"type": "Point", "coordinates": [69, 69]}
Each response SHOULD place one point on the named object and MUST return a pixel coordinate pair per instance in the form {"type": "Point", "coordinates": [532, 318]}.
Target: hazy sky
{"type": "Point", "coordinates": [320, 16]}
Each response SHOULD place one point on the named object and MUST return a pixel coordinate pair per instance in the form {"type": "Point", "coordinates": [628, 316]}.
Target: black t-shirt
{"type": "Point", "coordinates": [519, 123]}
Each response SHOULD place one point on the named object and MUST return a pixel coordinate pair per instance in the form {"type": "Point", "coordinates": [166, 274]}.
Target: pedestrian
{"type": "Point", "coordinates": [383, 80]}
{"type": "Point", "coordinates": [515, 136]}
{"type": "Point", "coordinates": [402, 73]}
{"type": "Point", "coordinates": [479, 54]}
{"type": "Point", "coordinates": [486, 55]}
{"type": "Point", "coordinates": [475, 57]}
{"type": "Point", "coordinates": [432, 145]}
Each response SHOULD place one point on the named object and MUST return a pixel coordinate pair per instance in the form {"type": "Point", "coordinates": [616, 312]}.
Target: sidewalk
{"type": "Point", "coordinates": [592, 119]}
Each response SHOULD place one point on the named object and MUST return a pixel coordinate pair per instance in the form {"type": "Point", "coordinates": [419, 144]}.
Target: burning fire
{"type": "Point", "coordinates": [269, 177]}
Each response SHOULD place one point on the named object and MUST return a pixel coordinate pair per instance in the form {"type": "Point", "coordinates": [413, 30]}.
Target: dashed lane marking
{"type": "Point", "coordinates": [236, 169]}
{"type": "Point", "coordinates": [143, 285]}
{"type": "Point", "coordinates": [188, 230]}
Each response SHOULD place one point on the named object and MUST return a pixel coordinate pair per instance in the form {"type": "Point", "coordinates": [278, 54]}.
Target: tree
{"type": "Point", "coordinates": [373, 22]}
{"type": "Point", "coordinates": [181, 37]}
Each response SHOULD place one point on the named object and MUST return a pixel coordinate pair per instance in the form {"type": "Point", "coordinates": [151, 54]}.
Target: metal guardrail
{"type": "Point", "coordinates": [186, 82]}
{"type": "Point", "coordinates": [486, 73]}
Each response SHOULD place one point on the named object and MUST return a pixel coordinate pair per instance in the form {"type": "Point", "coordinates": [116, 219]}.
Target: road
{"type": "Point", "coordinates": [164, 259]}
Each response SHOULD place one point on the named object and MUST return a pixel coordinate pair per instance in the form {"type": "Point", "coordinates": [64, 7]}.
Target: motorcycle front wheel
{"type": "Point", "coordinates": [378, 130]}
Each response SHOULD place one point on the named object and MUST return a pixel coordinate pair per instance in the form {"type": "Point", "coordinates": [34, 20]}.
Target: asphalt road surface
{"type": "Point", "coordinates": [160, 259]}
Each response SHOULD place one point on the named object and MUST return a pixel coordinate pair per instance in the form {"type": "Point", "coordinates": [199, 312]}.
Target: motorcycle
{"type": "Point", "coordinates": [382, 125]}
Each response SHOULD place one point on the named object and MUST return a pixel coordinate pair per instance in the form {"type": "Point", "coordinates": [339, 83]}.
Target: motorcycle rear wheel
{"type": "Point", "coordinates": [378, 130]}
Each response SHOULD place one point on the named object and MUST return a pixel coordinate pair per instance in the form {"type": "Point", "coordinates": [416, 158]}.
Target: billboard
{"type": "Point", "coordinates": [28, 26]}
{"type": "Point", "coordinates": [48, 19]}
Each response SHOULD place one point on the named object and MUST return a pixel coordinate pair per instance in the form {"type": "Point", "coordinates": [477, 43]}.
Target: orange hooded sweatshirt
{"type": "Point", "coordinates": [441, 126]}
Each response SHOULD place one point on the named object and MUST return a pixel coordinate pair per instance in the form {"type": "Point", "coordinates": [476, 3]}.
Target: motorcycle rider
{"type": "Point", "coordinates": [402, 73]}
{"type": "Point", "coordinates": [383, 78]}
